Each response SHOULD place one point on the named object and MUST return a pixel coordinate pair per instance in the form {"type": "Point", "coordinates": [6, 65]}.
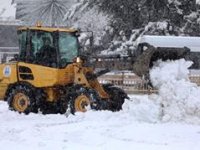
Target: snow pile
{"type": "Point", "coordinates": [179, 97]}
{"type": "Point", "coordinates": [177, 100]}
{"type": "Point", "coordinates": [143, 109]}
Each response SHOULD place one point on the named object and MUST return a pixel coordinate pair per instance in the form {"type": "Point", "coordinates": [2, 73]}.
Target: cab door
{"type": "Point", "coordinates": [8, 75]}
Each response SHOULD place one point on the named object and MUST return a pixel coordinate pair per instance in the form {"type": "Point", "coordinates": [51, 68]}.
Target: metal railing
{"type": "Point", "coordinates": [133, 84]}
{"type": "Point", "coordinates": [195, 79]}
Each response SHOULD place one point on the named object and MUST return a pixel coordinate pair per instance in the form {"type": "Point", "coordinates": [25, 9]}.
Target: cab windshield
{"type": "Point", "coordinates": [68, 47]}
{"type": "Point", "coordinates": [52, 49]}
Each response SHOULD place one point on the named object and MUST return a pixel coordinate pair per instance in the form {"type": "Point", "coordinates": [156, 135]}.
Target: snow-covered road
{"type": "Point", "coordinates": [93, 130]}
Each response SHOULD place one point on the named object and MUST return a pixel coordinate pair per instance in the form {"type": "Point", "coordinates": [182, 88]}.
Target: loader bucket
{"type": "Point", "coordinates": [145, 60]}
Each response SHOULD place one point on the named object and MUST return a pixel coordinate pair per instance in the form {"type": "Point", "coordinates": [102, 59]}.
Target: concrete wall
{"type": "Point", "coordinates": [8, 36]}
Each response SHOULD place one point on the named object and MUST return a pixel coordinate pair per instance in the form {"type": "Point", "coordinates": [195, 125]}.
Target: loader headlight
{"type": "Point", "coordinates": [78, 59]}
{"type": "Point", "coordinates": [99, 59]}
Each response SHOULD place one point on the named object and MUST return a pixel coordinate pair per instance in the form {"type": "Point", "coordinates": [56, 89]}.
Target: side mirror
{"type": "Point", "coordinates": [86, 40]}
{"type": "Point", "coordinates": [16, 57]}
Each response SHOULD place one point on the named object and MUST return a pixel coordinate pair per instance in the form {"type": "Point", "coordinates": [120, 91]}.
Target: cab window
{"type": "Point", "coordinates": [22, 35]}
{"type": "Point", "coordinates": [68, 47]}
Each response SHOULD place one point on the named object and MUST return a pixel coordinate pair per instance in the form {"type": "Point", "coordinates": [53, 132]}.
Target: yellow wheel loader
{"type": "Point", "coordinates": [50, 75]}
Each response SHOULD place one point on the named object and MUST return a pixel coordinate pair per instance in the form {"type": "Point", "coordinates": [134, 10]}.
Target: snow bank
{"type": "Point", "coordinates": [143, 109]}
{"type": "Point", "coordinates": [179, 98]}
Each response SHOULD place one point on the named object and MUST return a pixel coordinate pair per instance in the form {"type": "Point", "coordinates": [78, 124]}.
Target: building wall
{"type": "Point", "coordinates": [8, 40]}
{"type": "Point", "coordinates": [7, 53]}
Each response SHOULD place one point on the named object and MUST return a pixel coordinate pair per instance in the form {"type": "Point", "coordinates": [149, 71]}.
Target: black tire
{"type": "Point", "coordinates": [91, 97]}
{"type": "Point", "coordinates": [83, 99]}
{"type": "Point", "coordinates": [117, 97]}
{"type": "Point", "coordinates": [62, 105]}
{"type": "Point", "coordinates": [21, 98]}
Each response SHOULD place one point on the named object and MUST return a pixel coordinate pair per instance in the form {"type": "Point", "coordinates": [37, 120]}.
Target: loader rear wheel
{"type": "Point", "coordinates": [21, 98]}
{"type": "Point", "coordinates": [79, 103]}
{"type": "Point", "coordinates": [20, 102]}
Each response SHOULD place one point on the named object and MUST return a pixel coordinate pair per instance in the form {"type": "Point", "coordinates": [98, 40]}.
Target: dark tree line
{"type": "Point", "coordinates": [132, 14]}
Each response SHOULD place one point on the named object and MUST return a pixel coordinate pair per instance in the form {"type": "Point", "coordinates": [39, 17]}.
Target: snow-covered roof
{"type": "Point", "coordinates": [10, 22]}
{"type": "Point", "coordinates": [172, 41]}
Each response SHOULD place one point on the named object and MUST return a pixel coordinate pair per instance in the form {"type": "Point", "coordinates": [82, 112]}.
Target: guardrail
{"type": "Point", "coordinates": [195, 79]}
{"type": "Point", "coordinates": [133, 84]}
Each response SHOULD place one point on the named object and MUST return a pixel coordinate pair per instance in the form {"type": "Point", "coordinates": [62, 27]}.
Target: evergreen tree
{"type": "Point", "coordinates": [126, 14]}
{"type": "Point", "coordinates": [157, 9]}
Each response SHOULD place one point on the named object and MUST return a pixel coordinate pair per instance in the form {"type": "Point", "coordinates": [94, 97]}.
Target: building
{"type": "Point", "coordinates": [8, 39]}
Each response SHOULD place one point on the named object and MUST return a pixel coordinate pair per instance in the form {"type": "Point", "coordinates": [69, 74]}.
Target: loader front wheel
{"type": "Point", "coordinates": [117, 97]}
{"type": "Point", "coordinates": [21, 99]}
{"type": "Point", "coordinates": [79, 103]}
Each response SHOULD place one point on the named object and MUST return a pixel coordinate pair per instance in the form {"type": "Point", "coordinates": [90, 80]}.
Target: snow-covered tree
{"type": "Point", "coordinates": [49, 12]}
{"type": "Point", "coordinates": [87, 17]}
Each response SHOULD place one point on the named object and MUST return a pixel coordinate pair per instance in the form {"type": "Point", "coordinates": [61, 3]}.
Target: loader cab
{"type": "Point", "coordinates": [51, 47]}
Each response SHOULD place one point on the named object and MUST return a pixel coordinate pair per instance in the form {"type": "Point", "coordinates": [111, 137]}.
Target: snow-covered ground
{"type": "Point", "coordinates": [167, 121]}
{"type": "Point", "coordinates": [93, 130]}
